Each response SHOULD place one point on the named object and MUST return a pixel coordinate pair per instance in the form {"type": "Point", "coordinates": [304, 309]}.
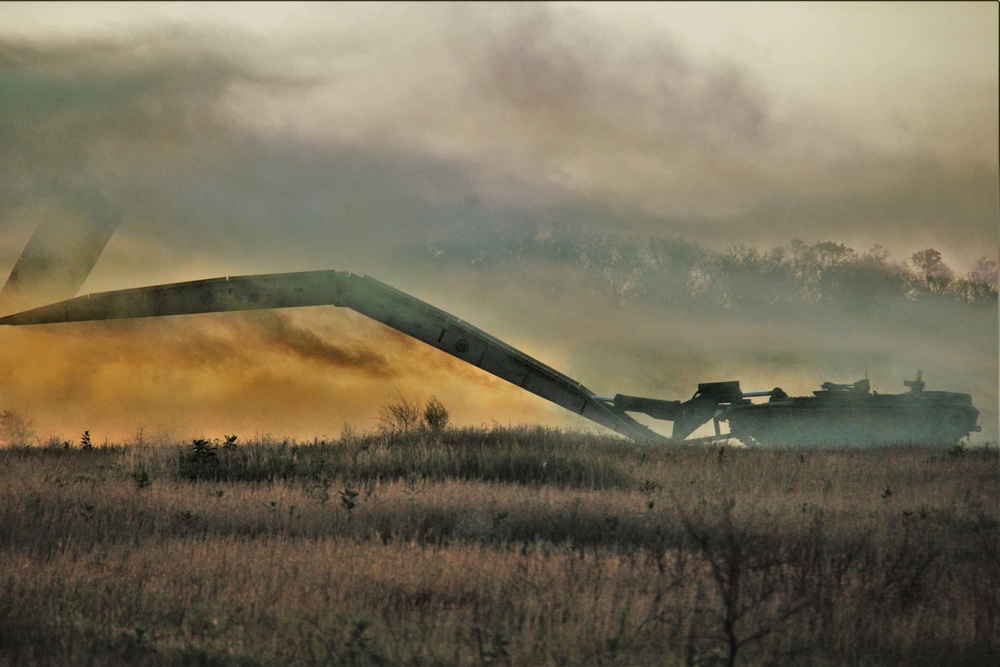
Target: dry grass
{"type": "Point", "coordinates": [498, 546]}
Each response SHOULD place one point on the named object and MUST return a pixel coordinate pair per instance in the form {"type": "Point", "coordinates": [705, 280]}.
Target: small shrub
{"type": "Point", "coordinates": [349, 498]}
{"type": "Point", "coordinates": [202, 451]}
{"type": "Point", "coordinates": [400, 415]}
{"type": "Point", "coordinates": [435, 414]}
{"type": "Point", "coordinates": [142, 480]}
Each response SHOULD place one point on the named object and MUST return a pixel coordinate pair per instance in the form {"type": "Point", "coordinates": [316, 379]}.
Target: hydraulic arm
{"type": "Point", "coordinates": [363, 294]}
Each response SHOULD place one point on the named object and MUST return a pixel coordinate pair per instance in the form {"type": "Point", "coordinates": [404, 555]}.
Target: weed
{"type": "Point", "coordinates": [318, 489]}
{"type": "Point", "coordinates": [142, 480]}
{"type": "Point", "coordinates": [344, 642]}
{"type": "Point", "coordinates": [650, 487]}
{"type": "Point", "coordinates": [497, 545]}
{"type": "Point", "coordinates": [202, 451]}
{"type": "Point", "coordinates": [491, 646]}
{"type": "Point", "coordinates": [348, 498]}
{"type": "Point", "coordinates": [185, 517]}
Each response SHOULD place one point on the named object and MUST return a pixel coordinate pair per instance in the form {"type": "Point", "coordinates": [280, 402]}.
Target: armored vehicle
{"type": "Point", "coordinates": [837, 415]}
{"type": "Point", "coordinates": [840, 414]}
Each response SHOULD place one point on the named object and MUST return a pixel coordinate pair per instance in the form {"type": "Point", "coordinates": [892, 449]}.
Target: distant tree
{"type": "Point", "coordinates": [16, 428]}
{"type": "Point", "coordinates": [979, 284]}
{"type": "Point", "coordinates": [985, 272]}
{"type": "Point", "coordinates": [743, 276]}
{"type": "Point", "coordinates": [861, 279]}
{"type": "Point", "coordinates": [671, 271]}
{"type": "Point", "coordinates": [929, 263]}
{"type": "Point", "coordinates": [815, 269]}
{"type": "Point", "coordinates": [829, 254]}
{"type": "Point", "coordinates": [674, 273]}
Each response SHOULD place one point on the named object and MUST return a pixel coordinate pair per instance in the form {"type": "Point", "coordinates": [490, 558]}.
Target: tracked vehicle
{"type": "Point", "coordinates": [853, 414]}
{"type": "Point", "coordinates": [836, 415]}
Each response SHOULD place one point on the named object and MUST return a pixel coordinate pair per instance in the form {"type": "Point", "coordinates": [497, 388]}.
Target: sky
{"type": "Point", "coordinates": [233, 138]}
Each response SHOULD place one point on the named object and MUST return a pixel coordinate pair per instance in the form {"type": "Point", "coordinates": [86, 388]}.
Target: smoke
{"type": "Point", "coordinates": [353, 143]}
{"type": "Point", "coordinates": [73, 107]}
{"type": "Point", "coordinates": [301, 374]}
{"type": "Point", "coordinates": [213, 144]}
{"type": "Point", "coordinates": [76, 113]}
{"type": "Point", "coordinates": [279, 331]}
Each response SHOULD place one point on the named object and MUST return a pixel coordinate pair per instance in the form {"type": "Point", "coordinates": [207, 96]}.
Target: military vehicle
{"type": "Point", "coordinates": [846, 414]}
{"type": "Point", "coordinates": [836, 415]}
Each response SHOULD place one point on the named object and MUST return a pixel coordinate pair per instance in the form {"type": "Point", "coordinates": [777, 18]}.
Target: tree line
{"type": "Point", "coordinates": [675, 272]}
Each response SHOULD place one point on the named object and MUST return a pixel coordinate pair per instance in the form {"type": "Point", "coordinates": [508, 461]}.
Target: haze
{"type": "Point", "coordinates": [243, 138]}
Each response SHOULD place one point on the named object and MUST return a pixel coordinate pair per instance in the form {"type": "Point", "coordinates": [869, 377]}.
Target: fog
{"type": "Point", "coordinates": [192, 151]}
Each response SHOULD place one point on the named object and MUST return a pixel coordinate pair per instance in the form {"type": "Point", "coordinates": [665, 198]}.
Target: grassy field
{"type": "Point", "coordinates": [505, 546]}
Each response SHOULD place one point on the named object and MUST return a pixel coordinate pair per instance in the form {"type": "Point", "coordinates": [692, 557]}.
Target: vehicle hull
{"type": "Point", "coordinates": [872, 420]}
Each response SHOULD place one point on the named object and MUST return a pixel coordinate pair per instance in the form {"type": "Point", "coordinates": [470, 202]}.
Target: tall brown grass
{"type": "Point", "coordinates": [509, 546]}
